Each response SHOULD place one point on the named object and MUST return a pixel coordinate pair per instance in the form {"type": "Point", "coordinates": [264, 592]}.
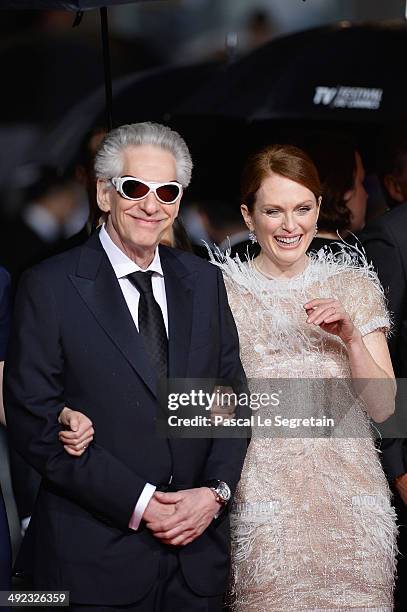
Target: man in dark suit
{"type": "Point", "coordinates": [385, 244]}
{"type": "Point", "coordinates": [384, 240]}
{"type": "Point", "coordinates": [95, 328]}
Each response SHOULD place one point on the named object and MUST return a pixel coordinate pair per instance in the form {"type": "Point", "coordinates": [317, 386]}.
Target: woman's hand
{"type": "Point", "coordinates": [330, 315]}
{"type": "Point", "coordinates": [78, 432]}
{"type": "Point", "coordinates": [227, 408]}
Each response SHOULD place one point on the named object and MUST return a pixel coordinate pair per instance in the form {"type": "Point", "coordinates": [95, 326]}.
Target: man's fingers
{"type": "Point", "coordinates": [168, 498]}
{"type": "Point", "coordinates": [187, 536]}
{"type": "Point", "coordinates": [163, 525]}
{"type": "Point", "coordinates": [184, 538]}
{"type": "Point", "coordinates": [172, 533]}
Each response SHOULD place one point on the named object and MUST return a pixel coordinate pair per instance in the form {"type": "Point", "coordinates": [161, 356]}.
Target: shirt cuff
{"type": "Point", "coordinates": [141, 505]}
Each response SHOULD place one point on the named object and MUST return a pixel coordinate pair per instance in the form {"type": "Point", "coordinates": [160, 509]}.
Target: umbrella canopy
{"type": "Point", "coordinates": [353, 73]}
{"type": "Point", "coordinates": [58, 71]}
{"type": "Point", "coordinates": [72, 5]}
{"type": "Point", "coordinates": [150, 95]}
{"type": "Point", "coordinates": [79, 6]}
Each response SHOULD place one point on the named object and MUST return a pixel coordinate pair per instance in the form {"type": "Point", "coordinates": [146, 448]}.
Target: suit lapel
{"type": "Point", "coordinates": [179, 288]}
{"type": "Point", "coordinates": [98, 286]}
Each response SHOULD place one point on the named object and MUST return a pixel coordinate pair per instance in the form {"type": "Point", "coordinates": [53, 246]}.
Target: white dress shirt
{"type": "Point", "coordinates": [122, 266]}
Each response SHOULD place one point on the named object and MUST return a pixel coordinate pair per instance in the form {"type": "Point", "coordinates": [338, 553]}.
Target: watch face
{"type": "Point", "coordinates": [223, 491]}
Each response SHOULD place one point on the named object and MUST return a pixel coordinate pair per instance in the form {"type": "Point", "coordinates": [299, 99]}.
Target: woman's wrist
{"type": "Point", "coordinates": [356, 340]}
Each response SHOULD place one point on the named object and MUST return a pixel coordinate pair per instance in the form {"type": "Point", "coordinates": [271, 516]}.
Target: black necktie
{"type": "Point", "coordinates": [151, 323]}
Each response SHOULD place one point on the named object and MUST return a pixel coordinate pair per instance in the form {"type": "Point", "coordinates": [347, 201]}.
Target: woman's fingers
{"type": "Point", "coordinates": [318, 314]}
{"type": "Point", "coordinates": [333, 318]}
{"type": "Point", "coordinates": [75, 422]}
{"type": "Point", "coordinates": [72, 437]}
{"type": "Point", "coordinates": [316, 307]}
{"type": "Point", "coordinates": [322, 317]}
{"type": "Point", "coordinates": [73, 452]}
{"type": "Point", "coordinates": [80, 446]}
{"type": "Point", "coordinates": [318, 302]}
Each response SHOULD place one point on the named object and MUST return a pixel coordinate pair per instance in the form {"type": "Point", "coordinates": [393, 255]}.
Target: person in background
{"type": "Point", "coordinates": [37, 232]}
{"type": "Point", "coordinates": [177, 237]}
{"type": "Point", "coordinates": [392, 165]}
{"type": "Point", "coordinates": [344, 197]}
{"type": "Point", "coordinates": [224, 225]}
{"type": "Point", "coordinates": [77, 428]}
{"type": "Point", "coordinates": [5, 547]}
{"type": "Point", "coordinates": [384, 240]}
{"type": "Point", "coordinates": [86, 176]}
{"type": "Point", "coordinates": [41, 226]}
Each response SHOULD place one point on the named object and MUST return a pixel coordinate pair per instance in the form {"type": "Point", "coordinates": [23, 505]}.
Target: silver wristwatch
{"type": "Point", "coordinates": [220, 490]}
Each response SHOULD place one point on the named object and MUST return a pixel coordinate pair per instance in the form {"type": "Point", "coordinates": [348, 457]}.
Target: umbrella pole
{"type": "Point", "coordinates": [107, 67]}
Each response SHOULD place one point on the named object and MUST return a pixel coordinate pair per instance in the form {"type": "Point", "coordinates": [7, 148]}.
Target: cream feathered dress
{"type": "Point", "coordinates": [312, 523]}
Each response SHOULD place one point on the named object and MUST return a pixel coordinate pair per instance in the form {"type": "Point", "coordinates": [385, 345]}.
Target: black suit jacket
{"type": "Point", "coordinates": [385, 242]}
{"type": "Point", "coordinates": [74, 343]}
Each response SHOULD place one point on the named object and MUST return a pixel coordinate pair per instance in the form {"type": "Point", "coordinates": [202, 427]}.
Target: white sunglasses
{"type": "Point", "coordinates": [133, 188]}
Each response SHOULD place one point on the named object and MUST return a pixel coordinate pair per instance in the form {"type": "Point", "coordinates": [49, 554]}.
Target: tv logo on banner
{"type": "Point", "coordinates": [349, 97]}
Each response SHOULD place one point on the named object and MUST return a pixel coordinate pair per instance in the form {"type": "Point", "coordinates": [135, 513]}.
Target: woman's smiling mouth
{"type": "Point", "coordinates": [288, 242]}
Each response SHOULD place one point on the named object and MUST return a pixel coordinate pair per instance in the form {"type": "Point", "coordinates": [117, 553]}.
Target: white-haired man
{"type": "Point", "coordinates": [130, 523]}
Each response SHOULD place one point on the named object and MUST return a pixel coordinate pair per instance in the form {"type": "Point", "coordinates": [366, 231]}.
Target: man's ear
{"type": "Point", "coordinates": [103, 195]}
{"type": "Point", "coordinates": [393, 188]}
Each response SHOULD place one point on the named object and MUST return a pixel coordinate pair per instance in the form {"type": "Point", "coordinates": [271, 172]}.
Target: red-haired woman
{"type": "Point", "coordinates": [312, 524]}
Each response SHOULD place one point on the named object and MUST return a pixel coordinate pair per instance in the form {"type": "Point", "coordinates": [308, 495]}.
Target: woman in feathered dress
{"type": "Point", "coordinates": [312, 524]}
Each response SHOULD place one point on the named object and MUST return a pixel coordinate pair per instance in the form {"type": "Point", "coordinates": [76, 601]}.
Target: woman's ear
{"type": "Point", "coordinates": [247, 217]}
{"type": "Point", "coordinates": [103, 193]}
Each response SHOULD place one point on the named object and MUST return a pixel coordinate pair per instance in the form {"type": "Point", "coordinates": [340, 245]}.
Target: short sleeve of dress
{"type": "Point", "coordinates": [363, 298]}
{"type": "Point", "coordinates": [4, 311]}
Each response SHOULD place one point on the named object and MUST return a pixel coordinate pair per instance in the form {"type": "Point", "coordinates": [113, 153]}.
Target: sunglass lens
{"type": "Point", "coordinates": [168, 193]}
{"type": "Point", "coordinates": [134, 189]}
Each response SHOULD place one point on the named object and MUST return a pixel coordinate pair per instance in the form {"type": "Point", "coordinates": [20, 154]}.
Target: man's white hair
{"type": "Point", "coordinates": [109, 162]}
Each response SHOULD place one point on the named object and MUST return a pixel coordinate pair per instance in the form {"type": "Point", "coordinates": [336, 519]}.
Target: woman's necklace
{"type": "Point", "coordinates": [269, 277]}
{"type": "Point", "coordinates": [257, 267]}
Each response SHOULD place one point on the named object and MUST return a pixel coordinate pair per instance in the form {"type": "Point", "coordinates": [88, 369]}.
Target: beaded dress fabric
{"type": "Point", "coordinates": [312, 523]}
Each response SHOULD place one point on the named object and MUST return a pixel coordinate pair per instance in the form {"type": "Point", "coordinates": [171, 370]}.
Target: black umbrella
{"type": "Point", "coordinates": [75, 5]}
{"type": "Point", "coordinates": [344, 72]}
{"type": "Point", "coordinates": [79, 6]}
{"type": "Point", "coordinates": [149, 95]}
